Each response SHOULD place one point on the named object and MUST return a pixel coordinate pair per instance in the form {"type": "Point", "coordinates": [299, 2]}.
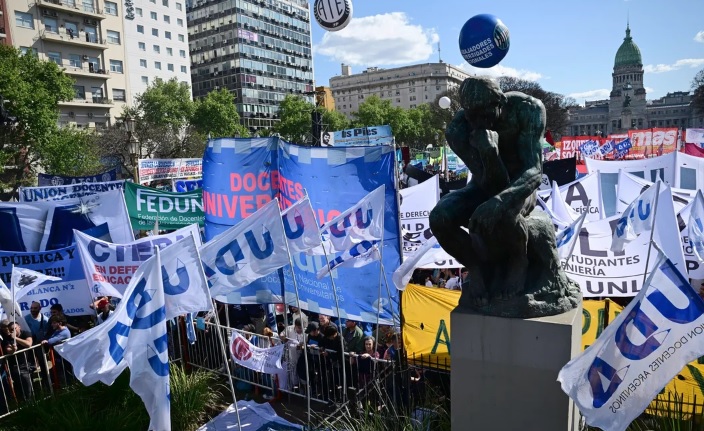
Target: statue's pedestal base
{"type": "Point", "coordinates": [504, 372]}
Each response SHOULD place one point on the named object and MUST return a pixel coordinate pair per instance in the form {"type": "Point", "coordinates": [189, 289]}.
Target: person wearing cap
{"type": "Point", "coordinates": [313, 341]}
{"type": "Point", "coordinates": [104, 311]}
{"type": "Point", "coordinates": [14, 340]}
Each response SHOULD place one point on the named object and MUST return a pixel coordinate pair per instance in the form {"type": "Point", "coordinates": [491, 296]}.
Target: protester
{"type": "Point", "coordinates": [353, 336]}
{"type": "Point", "coordinates": [73, 327]}
{"type": "Point", "coordinates": [14, 340]}
{"type": "Point", "coordinates": [38, 323]}
{"type": "Point", "coordinates": [104, 311]}
{"type": "Point", "coordinates": [294, 338]}
{"type": "Point", "coordinates": [60, 331]}
{"type": "Point", "coordinates": [365, 362]}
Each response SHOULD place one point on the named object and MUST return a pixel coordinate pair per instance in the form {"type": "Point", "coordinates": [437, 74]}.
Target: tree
{"type": "Point", "coordinates": [698, 92]}
{"type": "Point", "coordinates": [555, 104]}
{"type": "Point", "coordinates": [334, 120]}
{"type": "Point", "coordinates": [295, 120]}
{"type": "Point", "coordinates": [71, 152]}
{"type": "Point", "coordinates": [216, 115]}
{"type": "Point", "coordinates": [32, 89]}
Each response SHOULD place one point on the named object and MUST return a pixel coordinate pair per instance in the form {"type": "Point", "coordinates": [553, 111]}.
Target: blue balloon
{"type": "Point", "coordinates": [484, 41]}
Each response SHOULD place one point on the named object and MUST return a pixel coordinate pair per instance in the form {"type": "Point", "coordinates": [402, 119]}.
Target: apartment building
{"type": "Point", "coordinates": [260, 50]}
{"type": "Point", "coordinates": [4, 25]}
{"type": "Point", "coordinates": [156, 43]}
{"type": "Point", "coordinates": [86, 39]}
{"type": "Point", "coordinates": [406, 87]}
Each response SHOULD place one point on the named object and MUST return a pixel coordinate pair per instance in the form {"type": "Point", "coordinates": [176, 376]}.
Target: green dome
{"type": "Point", "coordinates": [628, 53]}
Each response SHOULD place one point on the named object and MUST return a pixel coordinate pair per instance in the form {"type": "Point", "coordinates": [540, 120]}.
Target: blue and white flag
{"type": "Point", "coordinates": [607, 148]}
{"type": "Point", "coordinates": [638, 218]}
{"type": "Point", "coordinates": [135, 337]}
{"type": "Point", "coordinates": [363, 221]}
{"type": "Point", "coordinates": [615, 379]}
{"type": "Point", "coordinates": [359, 255]}
{"type": "Point", "coordinates": [251, 249]}
{"type": "Point", "coordinates": [589, 148]}
{"type": "Point", "coordinates": [301, 226]}
{"type": "Point", "coordinates": [623, 147]}
{"type": "Point", "coordinates": [567, 238]}
{"type": "Point", "coordinates": [428, 252]}
{"type": "Point", "coordinates": [696, 226]}
{"type": "Point", "coordinates": [184, 281]}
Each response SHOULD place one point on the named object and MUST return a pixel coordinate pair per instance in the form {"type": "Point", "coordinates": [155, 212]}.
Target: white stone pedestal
{"type": "Point", "coordinates": [504, 372]}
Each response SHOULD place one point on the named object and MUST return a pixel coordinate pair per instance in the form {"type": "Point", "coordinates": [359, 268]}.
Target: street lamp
{"type": "Point", "coordinates": [133, 145]}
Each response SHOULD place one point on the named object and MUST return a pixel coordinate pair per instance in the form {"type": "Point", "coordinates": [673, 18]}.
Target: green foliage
{"type": "Point", "coordinates": [71, 152]}
{"type": "Point", "coordinates": [335, 120]}
{"type": "Point", "coordinates": [32, 89]}
{"type": "Point", "coordinates": [216, 115]}
{"type": "Point", "coordinates": [698, 92]}
{"type": "Point", "coordinates": [116, 408]}
{"type": "Point", "coordinates": [166, 103]}
{"type": "Point", "coordinates": [295, 121]}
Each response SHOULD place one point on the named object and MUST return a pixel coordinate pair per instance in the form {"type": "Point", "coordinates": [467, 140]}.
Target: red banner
{"type": "Point", "coordinates": [693, 150]}
{"type": "Point", "coordinates": [645, 143]}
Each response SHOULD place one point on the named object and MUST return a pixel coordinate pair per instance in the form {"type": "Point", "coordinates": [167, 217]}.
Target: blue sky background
{"type": "Point", "coordinates": [568, 46]}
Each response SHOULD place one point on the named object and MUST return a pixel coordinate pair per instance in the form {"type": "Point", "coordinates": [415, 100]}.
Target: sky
{"type": "Point", "coordinates": [566, 46]}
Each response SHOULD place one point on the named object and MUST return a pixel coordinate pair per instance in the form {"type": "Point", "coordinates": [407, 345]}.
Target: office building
{"type": "Point", "coordinates": [260, 50]}
{"type": "Point", "coordinates": [406, 87]}
{"type": "Point", "coordinates": [156, 43]}
{"type": "Point", "coordinates": [627, 106]}
{"type": "Point", "coordinates": [86, 39]}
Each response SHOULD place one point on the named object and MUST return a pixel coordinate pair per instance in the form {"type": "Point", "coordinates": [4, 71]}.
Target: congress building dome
{"type": "Point", "coordinates": [628, 53]}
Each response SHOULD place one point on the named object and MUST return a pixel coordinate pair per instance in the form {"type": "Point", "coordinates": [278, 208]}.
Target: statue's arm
{"type": "Point", "coordinates": [528, 148]}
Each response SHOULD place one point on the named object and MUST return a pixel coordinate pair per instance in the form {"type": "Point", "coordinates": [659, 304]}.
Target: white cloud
{"type": "Point", "coordinates": [599, 94]}
{"type": "Point", "coordinates": [500, 70]}
{"type": "Point", "coordinates": [679, 64]}
{"type": "Point", "coordinates": [649, 90]}
{"type": "Point", "coordinates": [387, 39]}
{"type": "Point", "coordinates": [699, 37]}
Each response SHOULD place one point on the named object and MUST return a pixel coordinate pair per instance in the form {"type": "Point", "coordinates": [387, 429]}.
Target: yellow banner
{"type": "Point", "coordinates": [426, 328]}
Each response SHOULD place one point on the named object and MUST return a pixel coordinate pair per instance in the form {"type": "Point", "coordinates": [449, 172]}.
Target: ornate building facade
{"type": "Point", "coordinates": [627, 107]}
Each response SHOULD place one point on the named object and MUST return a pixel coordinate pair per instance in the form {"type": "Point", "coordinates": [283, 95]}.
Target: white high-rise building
{"type": "Point", "coordinates": [156, 42]}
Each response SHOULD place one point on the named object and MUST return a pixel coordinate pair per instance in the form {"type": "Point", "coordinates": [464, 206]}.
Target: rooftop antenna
{"type": "Point", "coordinates": [439, 52]}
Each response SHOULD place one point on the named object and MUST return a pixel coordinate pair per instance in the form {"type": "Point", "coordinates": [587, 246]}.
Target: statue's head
{"type": "Point", "coordinates": [482, 100]}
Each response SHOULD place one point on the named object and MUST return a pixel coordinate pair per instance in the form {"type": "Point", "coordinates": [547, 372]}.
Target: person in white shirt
{"type": "Point", "coordinates": [428, 282]}
{"type": "Point", "coordinates": [104, 311]}
{"type": "Point", "coordinates": [453, 283]}
{"type": "Point", "coordinates": [294, 338]}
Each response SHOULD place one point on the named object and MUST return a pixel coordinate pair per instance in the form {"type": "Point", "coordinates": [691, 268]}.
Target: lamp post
{"type": "Point", "coordinates": [133, 145]}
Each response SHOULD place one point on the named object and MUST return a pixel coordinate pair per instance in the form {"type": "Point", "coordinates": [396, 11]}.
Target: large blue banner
{"type": "Point", "coordinates": [59, 180]}
{"type": "Point", "coordinates": [335, 179]}
{"type": "Point", "coordinates": [361, 136]}
{"type": "Point", "coordinates": [72, 291]}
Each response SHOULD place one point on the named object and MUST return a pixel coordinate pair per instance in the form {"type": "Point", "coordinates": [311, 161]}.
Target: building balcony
{"type": "Point", "coordinates": [86, 72]}
{"type": "Point", "coordinates": [82, 39]}
{"type": "Point", "coordinates": [75, 7]}
{"type": "Point", "coordinates": [2, 33]}
{"type": "Point", "coordinates": [95, 102]}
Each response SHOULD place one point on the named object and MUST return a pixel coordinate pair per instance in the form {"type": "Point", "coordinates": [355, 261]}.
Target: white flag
{"type": "Point", "coordinates": [135, 337]}
{"type": "Point", "coordinates": [359, 255]}
{"type": "Point", "coordinates": [615, 379]}
{"type": "Point", "coordinates": [185, 286]}
{"type": "Point", "coordinates": [403, 273]}
{"type": "Point", "coordinates": [363, 221]}
{"type": "Point", "coordinates": [24, 280]}
{"type": "Point", "coordinates": [263, 360]}
{"type": "Point", "coordinates": [696, 226]}
{"type": "Point", "coordinates": [251, 249]}
{"type": "Point", "coordinates": [301, 226]}
{"type": "Point", "coordinates": [637, 218]}
{"type": "Point", "coordinates": [566, 238]}
{"type": "Point", "coordinates": [559, 207]}
{"type": "Point", "coordinates": [12, 309]}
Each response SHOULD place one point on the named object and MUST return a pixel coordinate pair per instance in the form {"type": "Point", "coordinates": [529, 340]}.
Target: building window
{"type": "Point", "coordinates": [140, 29]}
{"type": "Point", "coordinates": [24, 20]}
{"type": "Point", "coordinates": [139, 11]}
{"type": "Point", "coordinates": [118, 95]}
{"type": "Point", "coordinates": [113, 37]}
{"type": "Point", "coordinates": [51, 25]}
{"type": "Point", "coordinates": [167, 34]}
{"type": "Point", "coordinates": [74, 60]}
{"type": "Point", "coordinates": [179, 22]}
{"type": "Point", "coordinates": [157, 65]}
{"type": "Point", "coordinates": [79, 92]}
{"type": "Point", "coordinates": [169, 52]}
{"type": "Point", "coordinates": [170, 67]}
{"type": "Point", "coordinates": [181, 38]}
{"type": "Point", "coordinates": [142, 46]}
{"type": "Point", "coordinates": [184, 69]}
{"type": "Point", "coordinates": [153, 15]}
{"type": "Point", "coordinates": [111, 8]}
{"type": "Point", "coordinates": [54, 56]}
{"type": "Point", "coordinates": [165, 3]}
{"type": "Point", "coordinates": [155, 32]}
{"type": "Point", "coordinates": [157, 49]}
{"type": "Point", "coordinates": [182, 53]}
{"type": "Point", "coordinates": [167, 19]}
{"type": "Point", "coordinates": [142, 63]}
{"type": "Point", "coordinates": [145, 80]}
{"type": "Point", "coordinates": [152, 1]}
{"type": "Point", "coordinates": [179, 6]}
{"type": "Point", "coordinates": [116, 66]}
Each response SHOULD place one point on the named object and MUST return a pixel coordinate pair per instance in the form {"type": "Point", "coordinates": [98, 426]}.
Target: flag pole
{"type": "Point", "coordinates": [222, 341]}
{"type": "Point", "coordinates": [652, 231]}
{"type": "Point", "coordinates": [14, 309]}
{"type": "Point", "coordinates": [300, 311]}
{"type": "Point", "coordinates": [381, 269]}
{"type": "Point", "coordinates": [574, 243]}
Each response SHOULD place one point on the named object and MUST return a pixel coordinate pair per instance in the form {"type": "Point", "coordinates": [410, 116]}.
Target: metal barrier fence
{"type": "Point", "coordinates": [328, 376]}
